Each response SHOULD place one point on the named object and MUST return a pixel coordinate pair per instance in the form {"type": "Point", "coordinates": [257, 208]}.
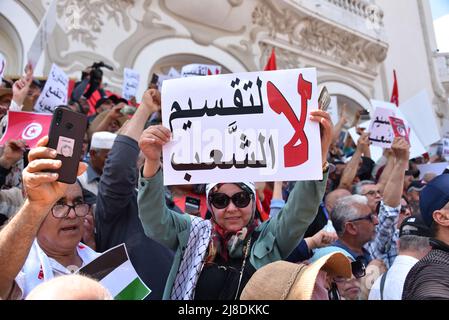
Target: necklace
{"type": "Point", "coordinates": [248, 244]}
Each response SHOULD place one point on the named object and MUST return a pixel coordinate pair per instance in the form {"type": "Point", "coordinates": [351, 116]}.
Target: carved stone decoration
{"type": "Point", "coordinates": [285, 59]}
{"type": "Point", "coordinates": [318, 37]}
{"type": "Point", "coordinates": [87, 16]}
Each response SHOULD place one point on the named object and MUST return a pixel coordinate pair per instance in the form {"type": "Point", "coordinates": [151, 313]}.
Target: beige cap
{"type": "Point", "coordinates": [282, 280]}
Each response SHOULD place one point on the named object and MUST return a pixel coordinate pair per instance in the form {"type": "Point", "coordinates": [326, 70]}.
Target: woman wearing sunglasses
{"type": "Point", "coordinates": [215, 258]}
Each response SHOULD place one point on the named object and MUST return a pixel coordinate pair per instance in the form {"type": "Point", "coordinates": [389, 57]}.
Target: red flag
{"type": "Point", "coordinates": [271, 64]}
{"type": "Point", "coordinates": [28, 126]}
{"type": "Point", "coordinates": [71, 87]}
{"type": "Point", "coordinates": [395, 94]}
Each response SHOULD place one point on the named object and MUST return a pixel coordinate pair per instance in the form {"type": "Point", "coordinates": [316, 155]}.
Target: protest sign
{"type": "Point", "coordinates": [43, 34]}
{"type": "Point", "coordinates": [416, 147]}
{"type": "Point", "coordinates": [27, 126]}
{"type": "Point", "coordinates": [376, 152]}
{"type": "Point", "coordinates": [381, 133]}
{"type": "Point", "coordinates": [131, 80]}
{"type": "Point", "coordinates": [445, 149]}
{"type": "Point", "coordinates": [333, 110]}
{"type": "Point", "coordinates": [195, 69]}
{"type": "Point", "coordinates": [399, 128]}
{"type": "Point", "coordinates": [421, 117]}
{"type": "Point", "coordinates": [114, 271]}
{"type": "Point", "coordinates": [251, 126]}
{"type": "Point", "coordinates": [436, 168]}
{"type": "Point", "coordinates": [55, 91]}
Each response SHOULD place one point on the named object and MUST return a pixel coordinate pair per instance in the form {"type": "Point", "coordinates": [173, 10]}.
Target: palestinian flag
{"type": "Point", "coordinates": [114, 270]}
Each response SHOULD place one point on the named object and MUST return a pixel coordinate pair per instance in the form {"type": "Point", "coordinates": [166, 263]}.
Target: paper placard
{"type": "Point", "coordinates": [55, 91]}
{"type": "Point", "coordinates": [195, 69]}
{"type": "Point", "coordinates": [131, 80]}
{"type": "Point", "coordinates": [247, 126]}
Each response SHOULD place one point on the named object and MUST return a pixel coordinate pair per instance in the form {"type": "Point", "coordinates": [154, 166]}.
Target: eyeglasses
{"type": "Point", "coordinates": [60, 211]}
{"type": "Point", "coordinates": [371, 217]}
{"type": "Point", "coordinates": [358, 268]}
{"type": "Point", "coordinates": [372, 193]}
{"type": "Point", "coordinates": [222, 200]}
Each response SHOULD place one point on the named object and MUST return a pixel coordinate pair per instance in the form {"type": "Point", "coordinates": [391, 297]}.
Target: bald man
{"type": "Point", "coordinates": [70, 287]}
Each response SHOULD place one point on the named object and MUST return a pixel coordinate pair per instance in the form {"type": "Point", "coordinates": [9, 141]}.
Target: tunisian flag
{"type": "Point", "coordinates": [27, 126]}
{"type": "Point", "coordinates": [271, 64]}
{"type": "Point", "coordinates": [395, 95]}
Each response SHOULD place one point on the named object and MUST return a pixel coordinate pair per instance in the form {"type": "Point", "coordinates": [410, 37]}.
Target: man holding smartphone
{"type": "Point", "coordinates": [47, 230]}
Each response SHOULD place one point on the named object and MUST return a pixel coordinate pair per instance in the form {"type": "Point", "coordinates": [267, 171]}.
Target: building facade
{"type": "Point", "coordinates": [354, 44]}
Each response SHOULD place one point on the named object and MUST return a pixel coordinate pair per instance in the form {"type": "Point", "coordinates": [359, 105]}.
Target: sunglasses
{"type": "Point", "coordinates": [222, 200]}
{"type": "Point", "coordinates": [404, 209]}
{"type": "Point", "coordinates": [358, 268]}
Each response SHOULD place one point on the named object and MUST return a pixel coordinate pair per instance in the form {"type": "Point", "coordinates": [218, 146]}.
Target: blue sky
{"type": "Point", "coordinates": [440, 13]}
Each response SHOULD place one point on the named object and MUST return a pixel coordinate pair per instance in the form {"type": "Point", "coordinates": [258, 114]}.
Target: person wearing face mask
{"type": "Point", "coordinates": [215, 258]}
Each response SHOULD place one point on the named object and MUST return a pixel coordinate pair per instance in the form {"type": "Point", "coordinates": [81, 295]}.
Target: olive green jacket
{"type": "Point", "coordinates": [277, 238]}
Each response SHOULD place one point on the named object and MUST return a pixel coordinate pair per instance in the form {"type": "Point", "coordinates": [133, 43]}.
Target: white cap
{"type": "Point", "coordinates": [102, 140]}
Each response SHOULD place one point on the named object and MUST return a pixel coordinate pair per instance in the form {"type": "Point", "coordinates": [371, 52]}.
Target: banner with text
{"type": "Point", "coordinates": [55, 91]}
{"type": "Point", "coordinates": [131, 80]}
{"type": "Point", "coordinates": [248, 126]}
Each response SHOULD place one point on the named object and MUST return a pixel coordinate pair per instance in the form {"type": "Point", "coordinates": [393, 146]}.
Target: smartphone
{"type": "Point", "coordinates": [66, 137]}
{"type": "Point", "coordinates": [192, 205]}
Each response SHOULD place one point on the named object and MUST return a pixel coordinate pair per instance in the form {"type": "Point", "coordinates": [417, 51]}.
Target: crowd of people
{"type": "Point", "coordinates": [367, 230]}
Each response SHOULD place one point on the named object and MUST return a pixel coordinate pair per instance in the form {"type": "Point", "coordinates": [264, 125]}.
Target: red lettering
{"type": "Point", "coordinates": [294, 155]}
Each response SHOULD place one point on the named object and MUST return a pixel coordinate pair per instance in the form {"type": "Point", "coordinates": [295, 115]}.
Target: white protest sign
{"type": "Point", "coordinates": [43, 34]}
{"type": "Point", "coordinates": [247, 126]}
{"type": "Point", "coordinates": [445, 150]}
{"type": "Point", "coordinates": [172, 74]}
{"type": "Point", "coordinates": [2, 66]}
{"type": "Point", "coordinates": [436, 168]}
{"type": "Point", "coordinates": [416, 147]}
{"type": "Point", "coordinates": [376, 152]}
{"type": "Point", "coordinates": [333, 110]}
{"type": "Point", "coordinates": [380, 130]}
{"type": "Point", "coordinates": [195, 69]}
{"type": "Point", "coordinates": [55, 91]}
{"type": "Point", "coordinates": [131, 80]}
{"type": "Point", "coordinates": [421, 118]}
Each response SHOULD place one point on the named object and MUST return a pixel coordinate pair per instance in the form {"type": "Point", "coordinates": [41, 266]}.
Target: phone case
{"type": "Point", "coordinates": [66, 137]}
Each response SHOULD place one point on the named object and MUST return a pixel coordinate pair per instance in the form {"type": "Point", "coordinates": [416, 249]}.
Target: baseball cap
{"type": "Point", "coordinates": [434, 196]}
{"type": "Point", "coordinates": [414, 226]}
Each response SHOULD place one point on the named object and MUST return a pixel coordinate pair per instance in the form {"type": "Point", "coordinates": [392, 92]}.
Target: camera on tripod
{"type": "Point", "coordinates": [96, 74]}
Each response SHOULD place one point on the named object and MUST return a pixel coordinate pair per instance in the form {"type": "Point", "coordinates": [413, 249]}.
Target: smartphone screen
{"type": "Point", "coordinates": [66, 137]}
{"type": "Point", "coordinates": [192, 205]}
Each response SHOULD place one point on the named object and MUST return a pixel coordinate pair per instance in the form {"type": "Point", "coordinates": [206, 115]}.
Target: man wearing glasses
{"type": "Point", "coordinates": [43, 239]}
{"type": "Point", "coordinates": [383, 246]}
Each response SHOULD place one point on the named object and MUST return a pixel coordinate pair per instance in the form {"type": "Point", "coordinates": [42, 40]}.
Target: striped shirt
{"type": "Point", "coordinates": [428, 279]}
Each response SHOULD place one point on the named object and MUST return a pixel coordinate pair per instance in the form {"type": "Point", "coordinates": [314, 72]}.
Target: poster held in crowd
{"type": "Point", "coordinates": [27, 126]}
{"type": "Point", "coordinates": [55, 91]}
{"type": "Point", "coordinates": [445, 150]}
{"type": "Point", "coordinates": [131, 80]}
{"type": "Point", "coordinates": [192, 70]}
{"type": "Point", "coordinates": [43, 34]}
{"type": "Point", "coordinates": [253, 124]}
{"type": "Point", "coordinates": [114, 270]}
{"type": "Point", "coordinates": [420, 115]}
{"type": "Point", "coordinates": [416, 147]}
{"type": "Point", "coordinates": [381, 133]}
{"type": "Point", "coordinates": [399, 128]}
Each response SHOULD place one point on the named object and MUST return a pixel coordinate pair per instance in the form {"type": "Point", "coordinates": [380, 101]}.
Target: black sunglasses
{"type": "Point", "coordinates": [222, 200]}
{"type": "Point", "coordinates": [358, 268]}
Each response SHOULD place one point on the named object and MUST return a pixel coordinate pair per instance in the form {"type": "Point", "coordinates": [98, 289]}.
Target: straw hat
{"type": "Point", "coordinates": [282, 280]}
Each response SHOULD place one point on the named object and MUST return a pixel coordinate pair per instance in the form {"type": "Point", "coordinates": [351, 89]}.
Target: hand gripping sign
{"type": "Point", "coordinates": [249, 126]}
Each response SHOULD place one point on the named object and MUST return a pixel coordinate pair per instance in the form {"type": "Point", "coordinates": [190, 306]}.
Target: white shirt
{"type": "Point", "coordinates": [39, 267]}
{"type": "Point", "coordinates": [394, 282]}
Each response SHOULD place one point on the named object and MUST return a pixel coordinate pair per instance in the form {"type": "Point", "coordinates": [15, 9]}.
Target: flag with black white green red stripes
{"type": "Point", "coordinates": [114, 271]}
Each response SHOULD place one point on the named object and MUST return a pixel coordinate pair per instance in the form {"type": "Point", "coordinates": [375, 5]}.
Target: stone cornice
{"type": "Point", "coordinates": [318, 37]}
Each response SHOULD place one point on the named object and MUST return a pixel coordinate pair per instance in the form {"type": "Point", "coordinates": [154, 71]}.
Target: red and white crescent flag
{"type": "Point", "coordinates": [27, 126]}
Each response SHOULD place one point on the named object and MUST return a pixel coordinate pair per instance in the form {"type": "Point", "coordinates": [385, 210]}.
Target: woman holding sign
{"type": "Point", "coordinates": [215, 258]}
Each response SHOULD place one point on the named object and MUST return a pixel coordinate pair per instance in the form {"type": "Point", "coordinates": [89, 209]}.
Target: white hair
{"type": "Point", "coordinates": [346, 210]}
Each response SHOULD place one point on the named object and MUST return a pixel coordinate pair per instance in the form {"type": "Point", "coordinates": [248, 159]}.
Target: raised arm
{"type": "Point", "coordinates": [43, 192]}
{"type": "Point", "coordinates": [350, 171]}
